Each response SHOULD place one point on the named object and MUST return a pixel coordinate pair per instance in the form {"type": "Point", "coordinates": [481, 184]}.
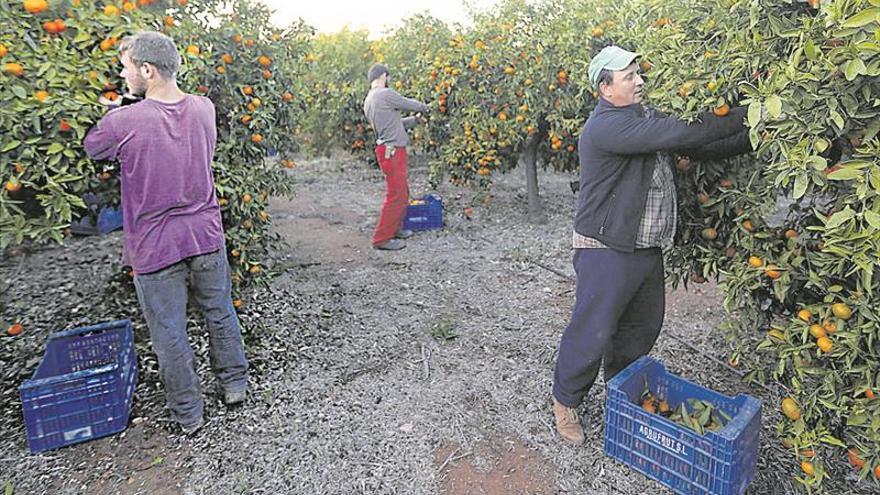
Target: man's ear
{"type": "Point", "coordinates": [604, 88]}
{"type": "Point", "coordinates": [146, 70]}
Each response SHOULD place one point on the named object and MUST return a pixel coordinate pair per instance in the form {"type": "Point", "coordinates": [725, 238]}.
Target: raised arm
{"type": "Point", "coordinates": [101, 143]}
{"type": "Point", "coordinates": [399, 102]}
{"type": "Point", "coordinates": [726, 147]}
{"type": "Point", "coordinates": [628, 134]}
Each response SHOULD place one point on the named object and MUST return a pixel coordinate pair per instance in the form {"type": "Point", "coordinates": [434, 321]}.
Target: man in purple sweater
{"type": "Point", "coordinates": [171, 219]}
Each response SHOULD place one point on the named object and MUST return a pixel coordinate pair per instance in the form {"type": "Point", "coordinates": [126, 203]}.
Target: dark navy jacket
{"type": "Point", "coordinates": [617, 152]}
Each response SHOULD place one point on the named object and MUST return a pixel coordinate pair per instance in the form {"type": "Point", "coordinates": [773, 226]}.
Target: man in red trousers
{"type": "Point", "coordinates": [382, 108]}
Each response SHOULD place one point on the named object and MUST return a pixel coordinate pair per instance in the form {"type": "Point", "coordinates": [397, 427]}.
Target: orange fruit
{"type": "Point", "coordinates": [721, 110]}
{"type": "Point", "coordinates": [829, 326]}
{"type": "Point", "coordinates": [790, 409]}
{"type": "Point", "coordinates": [12, 185]}
{"type": "Point", "coordinates": [805, 315]}
{"type": "Point", "coordinates": [245, 119]}
{"type": "Point", "coordinates": [287, 96]}
{"type": "Point", "coordinates": [14, 329]}
{"type": "Point", "coordinates": [193, 50]}
{"type": "Point", "coordinates": [869, 394]}
{"type": "Point", "coordinates": [646, 66]}
{"type": "Point", "coordinates": [264, 215]}
{"type": "Point", "coordinates": [509, 70]}
{"type": "Point", "coordinates": [709, 233]}
{"type": "Point", "coordinates": [36, 6]}
{"type": "Point", "coordinates": [648, 405]}
{"type": "Point", "coordinates": [256, 102]}
{"type": "Point", "coordinates": [663, 406]}
{"type": "Point", "coordinates": [810, 453]}
{"type": "Point", "coordinates": [855, 459]}
{"type": "Point", "coordinates": [226, 58]}
{"type": "Point", "coordinates": [247, 198]}
{"type": "Point", "coordinates": [168, 21]}
{"type": "Point", "coordinates": [877, 471]}
{"type": "Point", "coordinates": [3, 50]}
{"type": "Point", "coordinates": [807, 468]}
{"type": "Point", "coordinates": [238, 303]}
{"type": "Point", "coordinates": [755, 262]}
{"type": "Point", "coordinates": [267, 74]}
{"type": "Point", "coordinates": [247, 224]}
{"type": "Point", "coordinates": [111, 10]}
{"type": "Point", "coordinates": [817, 331]}
{"type": "Point", "coordinates": [128, 6]}
{"type": "Point", "coordinates": [748, 225]}
{"type": "Point", "coordinates": [220, 69]}
{"type": "Point", "coordinates": [597, 32]}
{"type": "Point", "coordinates": [772, 271]}
{"type": "Point", "coordinates": [483, 171]}
{"type": "Point", "coordinates": [264, 61]}
{"type": "Point", "coordinates": [13, 69]}
{"type": "Point", "coordinates": [257, 138]}
{"type": "Point", "coordinates": [825, 344]}
{"type": "Point", "coordinates": [702, 198]}
{"type": "Point", "coordinates": [247, 90]}
{"type": "Point", "coordinates": [41, 95]}
{"type": "Point", "coordinates": [237, 38]}
{"type": "Point", "coordinates": [841, 310]}
{"type": "Point", "coordinates": [791, 234]}
{"type": "Point", "coordinates": [776, 334]}
{"type": "Point", "coordinates": [255, 269]}
{"type": "Point", "coordinates": [235, 253]}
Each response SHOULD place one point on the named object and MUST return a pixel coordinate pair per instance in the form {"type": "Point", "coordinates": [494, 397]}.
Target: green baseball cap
{"type": "Point", "coordinates": [611, 58]}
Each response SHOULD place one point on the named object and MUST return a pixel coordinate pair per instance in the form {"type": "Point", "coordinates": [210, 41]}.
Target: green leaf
{"type": "Point", "coordinates": [774, 106]}
{"type": "Point", "coordinates": [55, 148]}
{"type": "Point", "coordinates": [873, 219]}
{"type": "Point", "coordinates": [11, 145]}
{"type": "Point", "coordinates": [8, 489]}
{"type": "Point", "coordinates": [19, 92]}
{"type": "Point", "coordinates": [856, 420]}
{"type": "Point", "coordinates": [844, 173]}
{"type": "Point", "coordinates": [831, 440]}
{"type": "Point", "coordinates": [840, 218]}
{"type": "Point", "coordinates": [810, 50]}
{"type": "Point", "coordinates": [800, 186]}
{"type": "Point", "coordinates": [754, 114]}
{"type": "Point", "coordinates": [863, 18]}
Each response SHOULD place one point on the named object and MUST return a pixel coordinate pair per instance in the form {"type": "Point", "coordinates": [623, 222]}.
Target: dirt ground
{"type": "Point", "coordinates": [424, 371]}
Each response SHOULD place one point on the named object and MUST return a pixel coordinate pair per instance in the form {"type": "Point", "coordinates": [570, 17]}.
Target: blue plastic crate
{"type": "Point", "coordinates": [424, 213]}
{"type": "Point", "coordinates": [109, 219]}
{"type": "Point", "coordinates": [83, 387]}
{"type": "Point", "coordinates": [717, 463]}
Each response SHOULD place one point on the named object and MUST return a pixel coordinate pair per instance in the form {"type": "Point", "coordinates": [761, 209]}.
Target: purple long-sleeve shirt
{"type": "Point", "coordinates": [170, 211]}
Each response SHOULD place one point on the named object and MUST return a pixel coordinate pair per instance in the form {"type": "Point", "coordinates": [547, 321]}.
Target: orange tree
{"type": "Point", "coordinates": [793, 231]}
{"type": "Point", "coordinates": [504, 90]}
{"type": "Point", "coordinates": [335, 87]}
{"type": "Point", "coordinates": [58, 58]}
{"type": "Point", "coordinates": [251, 71]}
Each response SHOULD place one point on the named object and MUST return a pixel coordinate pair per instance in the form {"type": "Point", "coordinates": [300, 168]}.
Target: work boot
{"type": "Point", "coordinates": [567, 423]}
{"type": "Point", "coordinates": [193, 428]}
{"type": "Point", "coordinates": [232, 398]}
{"type": "Point", "coordinates": [403, 234]}
{"type": "Point", "coordinates": [391, 245]}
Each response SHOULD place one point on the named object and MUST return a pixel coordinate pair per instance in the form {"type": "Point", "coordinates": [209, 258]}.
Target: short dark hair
{"type": "Point", "coordinates": [605, 76]}
{"type": "Point", "coordinates": [376, 72]}
{"type": "Point", "coordinates": [153, 48]}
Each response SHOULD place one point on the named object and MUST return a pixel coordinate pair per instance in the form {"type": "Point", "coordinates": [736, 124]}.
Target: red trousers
{"type": "Point", "coordinates": [396, 196]}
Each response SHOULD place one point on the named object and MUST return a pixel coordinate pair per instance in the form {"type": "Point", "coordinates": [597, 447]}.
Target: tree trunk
{"type": "Point", "coordinates": [530, 160]}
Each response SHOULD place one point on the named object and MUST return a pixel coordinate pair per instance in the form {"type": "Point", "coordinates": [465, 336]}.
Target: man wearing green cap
{"type": "Point", "coordinates": [626, 215]}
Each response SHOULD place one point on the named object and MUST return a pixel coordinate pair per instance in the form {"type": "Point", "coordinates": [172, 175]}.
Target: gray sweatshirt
{"type": "Point", "coordinates": [382, 108]}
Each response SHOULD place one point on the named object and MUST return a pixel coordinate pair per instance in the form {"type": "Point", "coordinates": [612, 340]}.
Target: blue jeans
{"type": "Point", "coordinates": [617, 315]}
{"type": "Point", "coordinates": [163, 297]}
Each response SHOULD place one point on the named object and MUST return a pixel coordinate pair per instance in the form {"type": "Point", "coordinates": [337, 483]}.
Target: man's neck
{"type": "Point", "coordinates": [165, 93]}
{"type": "Point", "coordinates": [376, 85]}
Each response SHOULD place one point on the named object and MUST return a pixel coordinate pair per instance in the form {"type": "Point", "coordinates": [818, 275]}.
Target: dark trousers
{"type": "Point", "coordinates": [617, 316]}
